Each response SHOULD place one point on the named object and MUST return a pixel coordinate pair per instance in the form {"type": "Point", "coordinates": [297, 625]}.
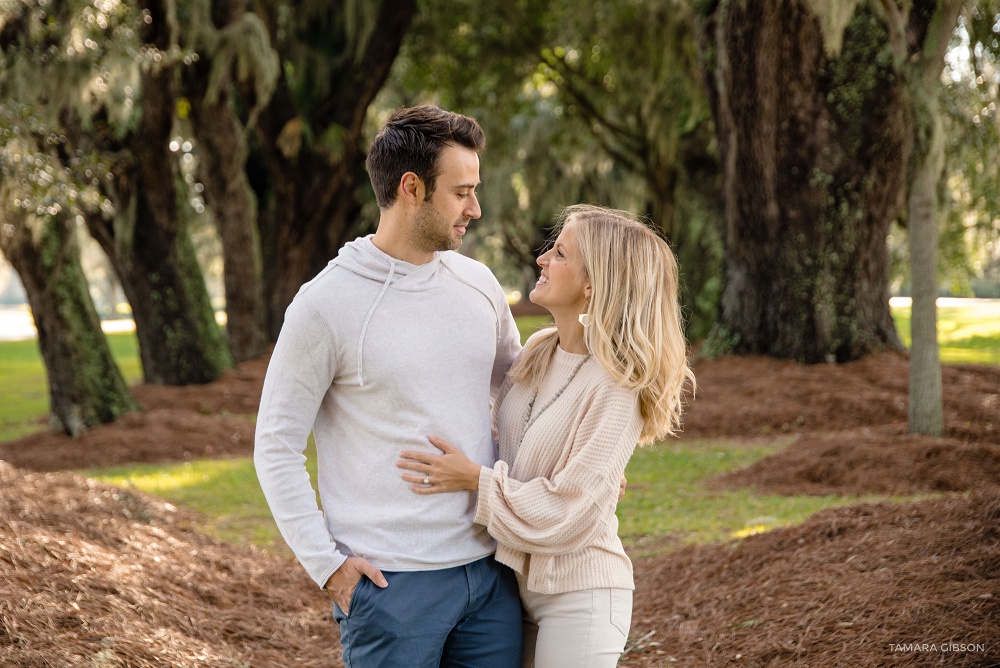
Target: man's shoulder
{"type": "Point", "coordinates": [469, 269]}
{"type": "Point", "coordinates": [328, 283]}
{"type": "Point", "coordinates": [335, 290]}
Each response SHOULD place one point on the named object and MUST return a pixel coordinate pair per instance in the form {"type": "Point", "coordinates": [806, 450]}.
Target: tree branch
{"type": "Point", "coordinates": [570, 76]}
{"type": "Point", "coordinates": [939, 33]}
{"type": "Point", "coordinates": [897, 30]}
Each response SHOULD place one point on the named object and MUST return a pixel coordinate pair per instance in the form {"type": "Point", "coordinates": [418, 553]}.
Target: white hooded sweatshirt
{"type": "Point", "coordinates": [375, 355]}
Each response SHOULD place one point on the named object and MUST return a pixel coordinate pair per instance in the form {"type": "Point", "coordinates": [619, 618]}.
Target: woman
{"type": "Point", "coordinates": [609, 374]}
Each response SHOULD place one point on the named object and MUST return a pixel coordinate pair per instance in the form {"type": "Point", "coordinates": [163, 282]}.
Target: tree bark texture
{"type": "Point", "coordinates": [179, 340]}
{"type": "Point", "coordinates": [86, 387]}
{"type": "Point", "coordinates": [814, 150]}
{"type": "Point", "coordinates": [229, 197]}
{"type": "Point", "coordinates": [926, 403]}
{"type": "Point", "coordinates": [313, 199]}
{"type": "Point", "coordinates": [925, 409]}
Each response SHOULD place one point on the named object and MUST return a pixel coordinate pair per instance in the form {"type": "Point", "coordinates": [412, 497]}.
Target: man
{"type": "Point", "coordinates": [397, 339]}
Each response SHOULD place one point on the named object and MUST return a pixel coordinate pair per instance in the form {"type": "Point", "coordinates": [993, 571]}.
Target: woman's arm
{"type": "Point", "coordinates": [543, 516]}
{"type": "Point", "coordinates": [561, 513]}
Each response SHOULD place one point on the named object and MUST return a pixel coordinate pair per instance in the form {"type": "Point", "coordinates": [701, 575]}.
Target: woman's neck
{"type": "Point", "coordinates": [571, 335]}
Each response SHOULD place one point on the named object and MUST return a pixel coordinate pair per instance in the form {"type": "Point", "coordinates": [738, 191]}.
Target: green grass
{"type": "Point", "coordinates": [224, 491]}
{"type": "Point", "coordinates": [668, 501]}
{"type": "Point", "coordinates": [24, 392]}
{"type": "Point", "coordinates": [966, 334]}
{"type": "Point", "coordinates": [529, 324]}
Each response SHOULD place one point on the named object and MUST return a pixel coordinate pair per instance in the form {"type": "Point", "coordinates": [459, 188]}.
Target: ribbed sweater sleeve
{"type": "Point", "coordinates": [556, 515]}
{"type": "Point", "coordinates": [558, 496]}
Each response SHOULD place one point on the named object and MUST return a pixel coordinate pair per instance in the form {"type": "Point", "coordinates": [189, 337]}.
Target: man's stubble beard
{"type": "Point", "coordinates": [429, 234]}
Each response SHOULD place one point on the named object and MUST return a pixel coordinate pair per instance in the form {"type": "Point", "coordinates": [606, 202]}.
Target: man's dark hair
{"type": "Point", "coordinates": [411, 141]}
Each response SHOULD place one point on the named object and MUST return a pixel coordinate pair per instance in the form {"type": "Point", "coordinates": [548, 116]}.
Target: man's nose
{"type": "Point", "coordinates": [474, 211]}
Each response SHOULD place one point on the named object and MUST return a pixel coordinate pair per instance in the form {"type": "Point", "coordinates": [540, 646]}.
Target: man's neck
{"type": "Point", "coordinates": [397, 245]}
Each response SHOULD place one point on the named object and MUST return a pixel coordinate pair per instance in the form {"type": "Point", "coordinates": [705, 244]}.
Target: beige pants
{"type": "Point", "coordinates": [579, 629]}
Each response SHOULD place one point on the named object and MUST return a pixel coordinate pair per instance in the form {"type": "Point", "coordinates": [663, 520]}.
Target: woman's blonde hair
{"type": "Point", "coordinates": [636, 331]}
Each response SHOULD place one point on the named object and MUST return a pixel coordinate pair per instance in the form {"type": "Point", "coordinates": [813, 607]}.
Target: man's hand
{"type": "Point", "coordinates": [345, 579]}
{"type": "Point", "coordinates": [621, 488]}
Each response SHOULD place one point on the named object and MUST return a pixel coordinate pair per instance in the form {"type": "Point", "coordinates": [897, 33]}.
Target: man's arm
{"type": "Point", "coordinates": [508, 344]}
{"type": "Point", "coordinates": [299, 374]}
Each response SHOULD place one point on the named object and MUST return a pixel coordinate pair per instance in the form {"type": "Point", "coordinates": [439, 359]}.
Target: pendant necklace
{"type": "Point", "coordinates": [530, 419]}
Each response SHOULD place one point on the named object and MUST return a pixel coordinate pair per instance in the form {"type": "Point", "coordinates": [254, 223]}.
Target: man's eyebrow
{"type": "Point", "coordinates": [466, 185]}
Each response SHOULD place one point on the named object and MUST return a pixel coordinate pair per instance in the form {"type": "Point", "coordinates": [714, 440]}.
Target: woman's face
{"type": "Point", "coordinates": [563, 285]}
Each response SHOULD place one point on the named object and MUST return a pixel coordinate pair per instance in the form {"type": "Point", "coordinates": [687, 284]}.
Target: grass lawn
{"type": "Point", "coordinates": [224, 491]}
{"type": "Point", "coordinates": [968, 331]}
{"type": "Point", "coordinates": [667, 501]}
{"type": "Point", "coordinates": [24, 391]}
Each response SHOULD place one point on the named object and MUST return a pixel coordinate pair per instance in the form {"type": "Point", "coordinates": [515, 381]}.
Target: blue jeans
{"type": "Point", "coordinates": [463, 617]}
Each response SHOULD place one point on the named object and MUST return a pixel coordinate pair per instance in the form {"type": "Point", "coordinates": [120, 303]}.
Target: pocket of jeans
{"type": "Point", "coordinates": [339, 613]}
{"type": "Point", "coordinates": [355, 600]}
{"type": "Point", "coordinates": [621, 609]}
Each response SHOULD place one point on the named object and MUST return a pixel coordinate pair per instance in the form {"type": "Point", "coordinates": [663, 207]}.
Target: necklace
{"type": "Point", "coordinates": [530, 419]}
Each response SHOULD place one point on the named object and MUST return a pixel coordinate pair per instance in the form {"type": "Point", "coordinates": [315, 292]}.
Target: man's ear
{"type": "Point", "coordinates": [411, 189]}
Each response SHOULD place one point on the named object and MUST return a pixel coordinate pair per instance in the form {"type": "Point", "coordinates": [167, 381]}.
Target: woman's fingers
{"type": "Point", "coordinates": [417, 485]}
{"type": "Point", "coordinates": [441, 444]}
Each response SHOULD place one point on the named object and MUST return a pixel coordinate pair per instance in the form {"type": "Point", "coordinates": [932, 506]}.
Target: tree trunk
{"type": "Point", "coordinates": [926, 405]}
{"type": "Point", "coordinates": [179, 341]}
{"type": "Point", "coordinates": [697, 232]}
{"type": "Point", "coordinates": [314, 207]}
{"type": "Point", "coordinates": [814, 146]}
{"type": "Point", "coordinates": [312, 204]}
{"type": "Point", "coordinates": [925, 411]}
{"type": "Point", "coordinates": [86, 387]}
{"type": "Point", "coordinates": [229, 197]}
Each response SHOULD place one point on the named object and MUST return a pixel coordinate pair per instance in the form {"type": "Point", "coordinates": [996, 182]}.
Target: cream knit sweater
{"type": "Point", "coordinates": [550, 499]}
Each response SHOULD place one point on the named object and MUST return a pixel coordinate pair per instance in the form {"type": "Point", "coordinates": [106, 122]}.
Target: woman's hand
{"type": "Point", "coordinates": [451, 471]}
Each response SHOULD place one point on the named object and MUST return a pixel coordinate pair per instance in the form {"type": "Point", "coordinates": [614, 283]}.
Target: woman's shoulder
{"type": "Point", "coordinates": [603, 385]}
{"type": "Point", "coordinates": [536, 337]}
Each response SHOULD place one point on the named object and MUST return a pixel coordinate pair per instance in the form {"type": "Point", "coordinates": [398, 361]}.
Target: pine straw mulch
{"type": "Point", "coordinates": [97, 576]}
{"type": "Point", "coordinates": [855, 587]}
{"type": "Point", "coordinates": [86, 588]}
{"type": "Point", "coordinates": [848, 425]}
{"type": "Point", "coordinates": [176, 423]}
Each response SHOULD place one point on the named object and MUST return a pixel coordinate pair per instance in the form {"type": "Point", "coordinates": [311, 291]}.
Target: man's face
{"type": "Point", "coordinates": [442, 220]}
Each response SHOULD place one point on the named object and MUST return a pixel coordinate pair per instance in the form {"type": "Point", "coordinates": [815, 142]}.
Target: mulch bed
{"type": "Point", "coordinates": [876, 460]}
{"type": "Point", "coordinates": [98, 576]}
{"type": "Point", "coordinates": [864, 586]}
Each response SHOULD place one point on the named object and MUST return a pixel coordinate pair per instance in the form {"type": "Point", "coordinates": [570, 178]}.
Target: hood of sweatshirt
{"type": "Point", "coordinates": [364, 258]}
